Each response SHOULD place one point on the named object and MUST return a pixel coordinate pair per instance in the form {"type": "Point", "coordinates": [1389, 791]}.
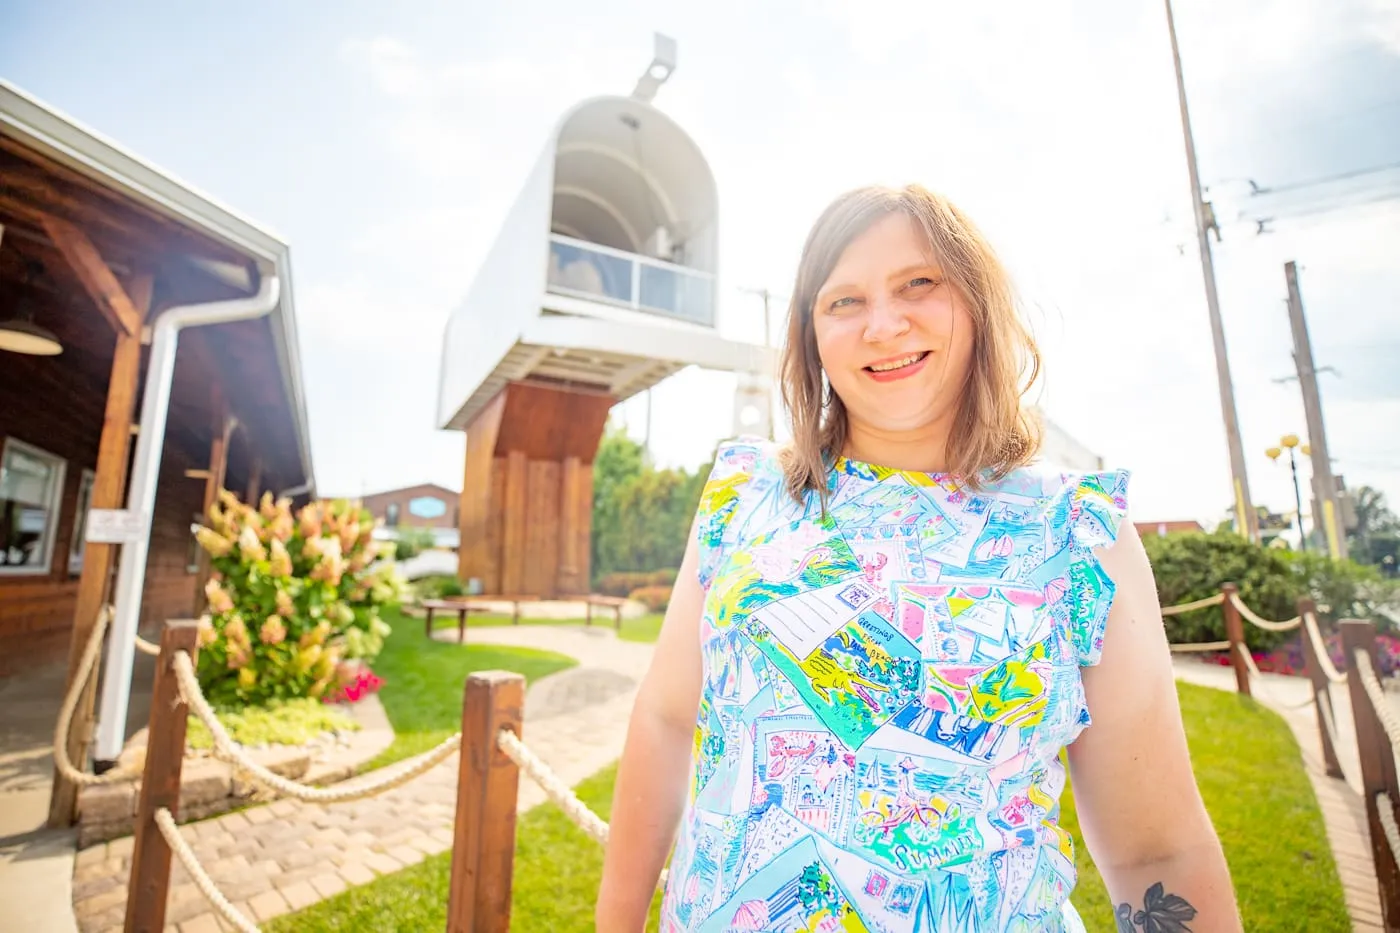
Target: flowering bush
{"type": "Point", "coordinates": [1288, 657]}
{"type": "Point", "coordinates": [293, 601]}
{"type": "Point", "coordinates": [357, 682]}
{"type": "Point", "coordinates": [1190, 566]}
{"type": "Point", "coordinates": [655, 598]}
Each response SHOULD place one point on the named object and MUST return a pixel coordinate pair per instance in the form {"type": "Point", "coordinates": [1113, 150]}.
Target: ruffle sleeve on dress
{"type": "Point", "coordinates": [1092, 507]}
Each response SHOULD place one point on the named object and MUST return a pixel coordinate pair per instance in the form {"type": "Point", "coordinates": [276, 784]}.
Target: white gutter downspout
{"type": "Point", "coordinates": [141, 498]}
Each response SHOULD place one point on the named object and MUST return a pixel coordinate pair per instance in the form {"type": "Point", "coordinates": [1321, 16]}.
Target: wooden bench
{"type": "Point", "coordinates": [460, 605]}
{"type": "Point", "coordinates": [479, 602]}
{"type": "Point", "coordinates": [599, 601]}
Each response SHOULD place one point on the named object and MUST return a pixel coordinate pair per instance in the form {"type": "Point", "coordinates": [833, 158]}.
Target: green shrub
{"type": "Point", "coordinates": [437, 586]}
{"type": "Point", "coordinates": [1271, 580]}
{"type": "Point", "coordinates": [655, 598]}
{"type": "Point", "coordinates": [663, 577]}
{"type": "Point", "coordinates": [411, 542]}
{"type": "Point", "coordinates": [623, 582]}
{"type": "Point", "coordinates": [290, 599]}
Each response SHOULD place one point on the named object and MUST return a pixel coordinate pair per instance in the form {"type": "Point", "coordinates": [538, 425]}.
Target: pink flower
{"type": "Point", "coordinates": [273, 632]}
{"type": "Point", "coordinates": [281, 563]}
{"type": "Point", "coordinates": [219, 599]}
{"type": "Point", "coordinates": [249, 546]}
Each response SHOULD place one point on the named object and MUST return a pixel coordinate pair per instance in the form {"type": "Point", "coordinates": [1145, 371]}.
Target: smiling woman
{"type": "Point", "coordinates": [884, 636]}
{"type": "Point", "coordinates": [903, 330]}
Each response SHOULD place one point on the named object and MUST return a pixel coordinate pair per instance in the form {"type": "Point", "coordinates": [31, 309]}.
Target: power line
{"type": "Point", "coordinates": [1288, 213]}
{"type": "Point", "coordinates": [1324, 180]}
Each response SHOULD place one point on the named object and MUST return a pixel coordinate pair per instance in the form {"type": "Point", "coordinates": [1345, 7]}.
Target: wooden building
{"type": "Point", "coordinates": [95, 246]}
{"type": "Point", "coordinates": [426, 505]}
{"type": "Point", "coordinates": [600, 284]}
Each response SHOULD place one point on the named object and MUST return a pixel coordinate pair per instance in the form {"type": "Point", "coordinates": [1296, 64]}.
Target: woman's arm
{"type": "Point", "coordinates": [1139, 807]}
{"type": "Point", "coordinates": [653, 773]}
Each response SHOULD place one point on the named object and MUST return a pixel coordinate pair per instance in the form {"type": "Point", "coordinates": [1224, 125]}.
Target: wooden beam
{"type": "Point", "coordinates": [254, 480]}
{"type": "Point", "coordinates": [108, 492]}
{"type": "Point", "coordinates": [218, 468]}
{"type": "Point", "coordinates": [99, 282]}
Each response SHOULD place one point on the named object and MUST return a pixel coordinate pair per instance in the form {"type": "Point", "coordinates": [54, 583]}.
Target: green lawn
{"type": "Point", "coordinates": [1246, 762]}
{"type": "Point", "coordinates": [422, 692]}
{"type": "Point", "coordinates": [1250, 774]}
{"type": "Point", "coordinates": [644, 628]}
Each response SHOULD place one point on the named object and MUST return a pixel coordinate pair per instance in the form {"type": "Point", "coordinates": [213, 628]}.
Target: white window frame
{"type": "Point", "coordinates": [77, 548]}
{"type": "Point", "coordinates": [55, 505]}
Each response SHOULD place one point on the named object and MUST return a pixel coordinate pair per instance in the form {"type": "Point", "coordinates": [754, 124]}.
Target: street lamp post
{"type": "Point", "coordinates": [1290, 442]}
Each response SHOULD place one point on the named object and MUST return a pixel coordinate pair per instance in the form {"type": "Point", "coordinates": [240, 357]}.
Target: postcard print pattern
{"type": "Point", "coordinates": [887, 688]}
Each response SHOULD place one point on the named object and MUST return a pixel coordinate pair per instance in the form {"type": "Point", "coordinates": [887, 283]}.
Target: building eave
{"type": "Point", "coordinates": [63, 139]}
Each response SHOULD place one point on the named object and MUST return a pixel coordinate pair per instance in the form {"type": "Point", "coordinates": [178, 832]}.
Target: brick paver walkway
{"type": "Point", "coordinates": [288, 854]}
{"type": "Point", "coordinates": [1343, 811]}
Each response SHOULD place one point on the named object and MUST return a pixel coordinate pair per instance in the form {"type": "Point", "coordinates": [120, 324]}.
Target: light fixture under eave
{"type": "Point", "coordinates": [19, 335]}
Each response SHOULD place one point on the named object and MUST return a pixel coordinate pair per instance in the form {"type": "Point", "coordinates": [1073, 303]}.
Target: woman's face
{"type": "Point", "coordinates": [894, 338]}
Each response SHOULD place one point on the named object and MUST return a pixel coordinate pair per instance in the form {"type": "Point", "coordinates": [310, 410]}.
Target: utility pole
{"type": "Point", "coordinates": [767, 297]}
{"type": "Point", "coordinates": [1326, 509]}
{"type": "Point", "coordinates": [1245, 518]}
{"type": "Point", "coordinates": [768, 342]}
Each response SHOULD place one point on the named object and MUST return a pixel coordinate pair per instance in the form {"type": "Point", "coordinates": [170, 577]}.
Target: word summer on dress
{"type": "Point", "coordinates": [886, 693]}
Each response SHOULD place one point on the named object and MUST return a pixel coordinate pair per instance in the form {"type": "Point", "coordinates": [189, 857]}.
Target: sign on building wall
{"type": "Point", "coordinates": [114, 526]}
{"type": "Point", "coordinates": [428, 507]}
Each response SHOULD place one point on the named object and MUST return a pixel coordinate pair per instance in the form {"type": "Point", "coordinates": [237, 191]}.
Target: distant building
{"type": "Point", "coordinates": [1162, 529]}
{"type": "Point", "coordinates": [1058, 449]}
{"type": "Point", "coordinates": [426, 505]}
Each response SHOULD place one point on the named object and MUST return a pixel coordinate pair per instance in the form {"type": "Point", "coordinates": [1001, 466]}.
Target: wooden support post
{"type": "Point", "coordinates": [108, 492]}
{"type": "Point", "coordinates": [483, 843]}
{"type": "Point", "coordinates": [1234, 630]}
{"type": "Point", "coordinates": [149, 886]}
{"type": "Point", "coordinates": [254, 481]}
{"type": "Point", "coordinates": [1321, 687]}
{"type": "Point", "coordinates": [214, 481]}
{"type": "Point", "coordinates": [1377, 767]}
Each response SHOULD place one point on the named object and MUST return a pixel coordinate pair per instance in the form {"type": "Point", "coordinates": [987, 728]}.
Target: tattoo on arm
{"type": "Point", "coordinates": [1161, 913]}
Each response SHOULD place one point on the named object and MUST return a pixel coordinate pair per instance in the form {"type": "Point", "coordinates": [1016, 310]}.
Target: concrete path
{"type": "Point", "coordinates": [32, 858]}
{"type": "Point", "coordinates": [287, 855]}
{"type": "Point", "coordinates": [1343, 810]}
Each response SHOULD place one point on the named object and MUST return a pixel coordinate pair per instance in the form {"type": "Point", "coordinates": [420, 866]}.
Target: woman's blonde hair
{"type": "Point", "coordinates": [993, 433]}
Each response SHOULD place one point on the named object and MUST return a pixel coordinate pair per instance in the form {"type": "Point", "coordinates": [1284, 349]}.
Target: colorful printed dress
{"type": "Point", "coordinates": [886, 694]}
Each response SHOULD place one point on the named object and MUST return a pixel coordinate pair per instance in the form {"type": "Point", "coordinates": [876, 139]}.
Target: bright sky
{"type": "Point", "coordinates": [386, 141]}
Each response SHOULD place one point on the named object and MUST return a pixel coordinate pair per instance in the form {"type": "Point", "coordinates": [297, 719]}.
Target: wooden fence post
{"type": "Point", "coordinates": [1321, 687]}
{"type": "Point", "coordinates": [1377, 767]}
{"type": "Point", "coordinates": [1234, 630]}
{"type": "Point", "coordinates": [160, 783]}
{"type": "Point", "coordinates": [483, 837]}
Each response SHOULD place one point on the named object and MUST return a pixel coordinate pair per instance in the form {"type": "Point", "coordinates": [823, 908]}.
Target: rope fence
{"type": "Point", "coordinates": [226, 749]}
{"type": "Point", "coordinates": [491, 756]}
{"type": "Point", "coordinates": [1254, 619]}
{"type": "Point", "coordinates": [484, 827]}
{"type": "Point", "coordinates": [1213, 600]}
{"type": "Point", "coordinates": [165, 822]}
{"type": "Point", "coordinates": [86, 664]}
{"type": "Point", "coordinates": [1199, 646]}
